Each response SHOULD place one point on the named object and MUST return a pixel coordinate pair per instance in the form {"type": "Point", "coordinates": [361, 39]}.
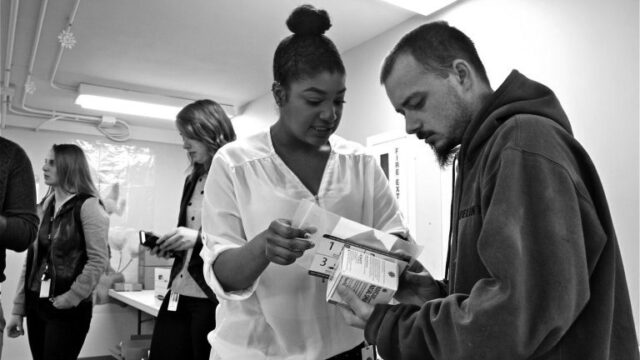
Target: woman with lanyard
{"type": "Point", "coordinates": [187, 313]}
{"type": "Point", "coordinates": [65, 262]}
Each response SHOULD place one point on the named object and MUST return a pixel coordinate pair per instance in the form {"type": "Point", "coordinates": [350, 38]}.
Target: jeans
{"type": "Point", "coordinates": [56, 334]}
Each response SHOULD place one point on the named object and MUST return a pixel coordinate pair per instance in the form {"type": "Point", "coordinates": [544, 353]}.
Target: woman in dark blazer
{"type": "Point", "coordinates": [187, 313]}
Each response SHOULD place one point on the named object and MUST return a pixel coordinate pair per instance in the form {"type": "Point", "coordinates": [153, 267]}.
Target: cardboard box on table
{"type": "Point", "coordinates": [147, 263]}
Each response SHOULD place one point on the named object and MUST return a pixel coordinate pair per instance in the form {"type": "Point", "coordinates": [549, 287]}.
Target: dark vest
{"type": "Point", "coordinates": [67, 254]}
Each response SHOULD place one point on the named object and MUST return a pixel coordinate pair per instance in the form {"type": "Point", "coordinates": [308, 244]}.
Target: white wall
{"type": "Point", "coordinates": [585, 50]}
{"type": "Point", "coordinates": [111, 322]}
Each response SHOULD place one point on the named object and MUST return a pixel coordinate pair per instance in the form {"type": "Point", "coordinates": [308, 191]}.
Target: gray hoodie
{"type": "Point", "coordinates": [535, 270]}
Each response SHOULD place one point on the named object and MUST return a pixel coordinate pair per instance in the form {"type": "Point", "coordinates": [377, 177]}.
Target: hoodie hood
{"type": "Point", "coordinates": [517, 95]}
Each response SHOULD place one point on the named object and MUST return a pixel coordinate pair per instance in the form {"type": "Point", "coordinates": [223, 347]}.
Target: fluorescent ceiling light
{"type": "Point", "coordinates": [424, 7]}
{"type": "Point", "coordinates": [130, 107]}
{"type": "Point", "coordinates": [133, 103]}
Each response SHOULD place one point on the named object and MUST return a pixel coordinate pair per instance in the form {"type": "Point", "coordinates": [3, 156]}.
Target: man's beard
{"type": "Point", "coordinates": [445, 155]}
{"type": "Point", "coordinates": [461, 116]}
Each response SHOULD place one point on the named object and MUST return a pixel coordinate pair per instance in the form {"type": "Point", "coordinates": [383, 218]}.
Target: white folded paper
{"type": "Point", "coordinates": [334, 233]}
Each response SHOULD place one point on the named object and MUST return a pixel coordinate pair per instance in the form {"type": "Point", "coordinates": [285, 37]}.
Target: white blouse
{"type": "Point", "coordinates": [284, 315]}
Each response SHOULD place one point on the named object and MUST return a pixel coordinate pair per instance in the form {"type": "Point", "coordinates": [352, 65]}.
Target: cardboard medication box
{"type": "Point", "coordinates": [373, 279]}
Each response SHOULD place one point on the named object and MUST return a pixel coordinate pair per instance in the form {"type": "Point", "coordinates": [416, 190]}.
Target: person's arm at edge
{"type": "Point", "coordinates": [15, 323]}
{"type": "Point", "coordinates": [19, 220]}
{"type": "Point", "coordinates": [19, 297]}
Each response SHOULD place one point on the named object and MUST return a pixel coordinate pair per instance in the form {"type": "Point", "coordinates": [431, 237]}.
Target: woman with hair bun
{"type": "Point", "coordinates": [180, 330]}
{"type": "Point", "coordinates": [269, 308]}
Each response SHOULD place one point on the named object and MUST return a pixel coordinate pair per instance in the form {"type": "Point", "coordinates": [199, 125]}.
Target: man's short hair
{"type": "Point", "coordinates": [435, 45]}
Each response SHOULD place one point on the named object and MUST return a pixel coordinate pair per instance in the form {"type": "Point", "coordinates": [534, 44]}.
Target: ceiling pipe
{"type": "Point", "coordinates": [54, 71]}
{"type": "Point", "coordinates": [47, 122]}
{"type": "Point", "coordinates": [36, 40]}
{"type": "Point", "coordinates": [3, 115]}
{"type": "Point", "coordinates": [43, 113]}
{"type": "Point", "coordinates": [32, 62]}
{"type": "Point", "coordinates": [11, 37]}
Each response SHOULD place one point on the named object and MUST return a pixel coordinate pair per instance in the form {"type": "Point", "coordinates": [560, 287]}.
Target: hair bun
{"type": "Point", "coordinates": [307, 20]}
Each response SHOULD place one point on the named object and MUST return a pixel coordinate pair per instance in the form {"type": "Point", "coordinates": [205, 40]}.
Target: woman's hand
{"type": "Point", "coordinates": [15, 327]}
{"type": "Point", "coordinates": [238, 268]}
{"type": "Point", "coordinates": [61, 302]}
{"type": "Point", "coordinates": [284, 243]}
{"type": "Point", "coordinates": [181, 238]}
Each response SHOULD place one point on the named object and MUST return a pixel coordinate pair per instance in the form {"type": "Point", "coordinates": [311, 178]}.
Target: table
{"type": "Point", "coordinates": [143, 301]}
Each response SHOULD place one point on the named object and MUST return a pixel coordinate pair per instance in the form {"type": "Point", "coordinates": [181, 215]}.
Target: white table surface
{"type": "Point", "coordinates": [143, 300]}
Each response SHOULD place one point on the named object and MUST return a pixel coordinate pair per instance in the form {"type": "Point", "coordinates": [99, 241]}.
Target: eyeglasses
{"type": "Point", "coordinates": [50, 162]}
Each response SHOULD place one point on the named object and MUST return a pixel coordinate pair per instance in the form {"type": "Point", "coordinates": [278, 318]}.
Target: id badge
{"type": "Point", "coordinates": [45, 286]}
{"type": "Point", "coordinates": [173, 302]}
{"type": "Point", "coordinates": [368, 353]}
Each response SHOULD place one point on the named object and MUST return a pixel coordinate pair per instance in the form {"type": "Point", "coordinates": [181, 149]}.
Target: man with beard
{"type": "Point", "coordinates": [534, 269]}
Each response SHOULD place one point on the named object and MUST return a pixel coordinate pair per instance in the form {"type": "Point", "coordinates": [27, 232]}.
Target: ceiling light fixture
{"type": "Point", "coordinates": [134, 103]}
{"type": "Point", "coordinates": [424, 7]}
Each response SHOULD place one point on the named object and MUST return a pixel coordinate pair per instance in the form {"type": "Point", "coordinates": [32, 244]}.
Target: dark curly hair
{"type": "Point", "coordinates": [307, 52]}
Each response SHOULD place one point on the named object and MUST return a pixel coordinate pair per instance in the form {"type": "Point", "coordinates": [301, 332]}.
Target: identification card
{"type": "Point", "coordinates": [173, 302]}
{"type": "Point", "coordinates": [45, 286]}
{"type": "Point", "coordinates": [368, 353]}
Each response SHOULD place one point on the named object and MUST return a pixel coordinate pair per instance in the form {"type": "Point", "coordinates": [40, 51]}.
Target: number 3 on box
{"type": "Point", "coordinates": [322, 265]}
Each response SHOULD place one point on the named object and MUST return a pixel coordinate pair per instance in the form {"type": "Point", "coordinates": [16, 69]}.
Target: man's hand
{"type": "Point", "coordinates": [417, 286]}
{"type": "Point", "coordinates": [358, 312]}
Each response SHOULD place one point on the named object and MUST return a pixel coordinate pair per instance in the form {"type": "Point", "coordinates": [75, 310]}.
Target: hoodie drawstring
{"type": "Point", "coordinates": [453, 187]}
